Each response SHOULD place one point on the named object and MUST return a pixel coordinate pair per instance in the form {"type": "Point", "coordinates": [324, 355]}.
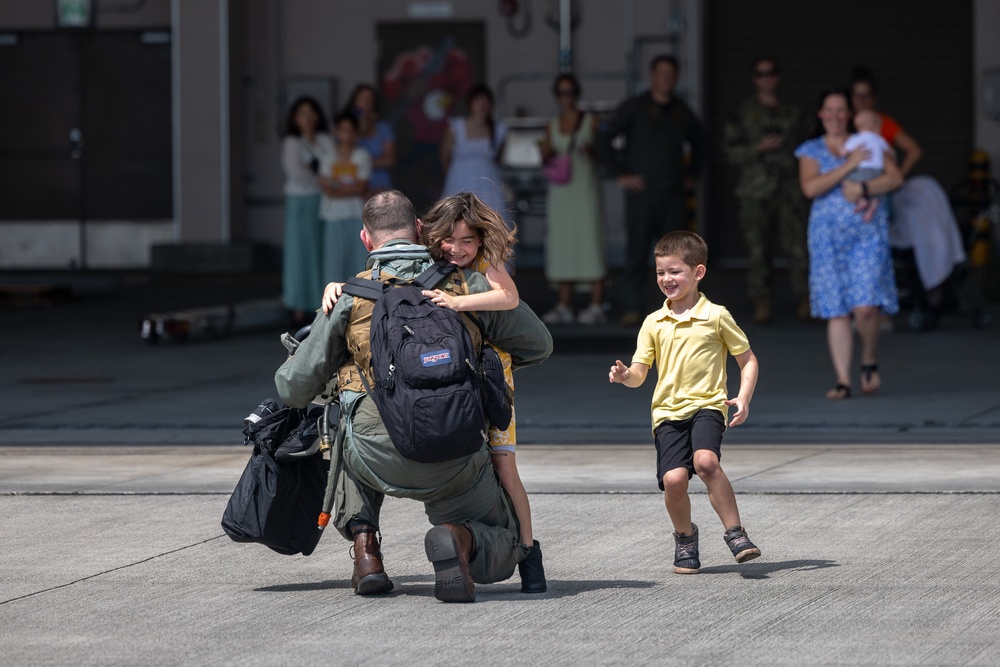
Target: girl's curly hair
{"type": "Point", "coordinates": [439, 223]}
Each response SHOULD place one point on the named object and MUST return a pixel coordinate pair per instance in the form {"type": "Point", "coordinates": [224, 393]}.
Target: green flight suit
{"type": "Point", "coordinates": [772, 207]}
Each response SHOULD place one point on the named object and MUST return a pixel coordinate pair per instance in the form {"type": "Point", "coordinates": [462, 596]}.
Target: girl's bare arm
{"type": "Point", "coordinates": [502, 295]}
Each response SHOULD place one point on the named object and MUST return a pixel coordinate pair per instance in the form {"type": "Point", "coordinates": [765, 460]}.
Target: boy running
{"type": "Point", "coordinates": [688, 339]}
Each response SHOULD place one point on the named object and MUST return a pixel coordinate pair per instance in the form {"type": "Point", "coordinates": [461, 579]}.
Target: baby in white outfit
{"type": "Point", "coordinates": [868, 123]}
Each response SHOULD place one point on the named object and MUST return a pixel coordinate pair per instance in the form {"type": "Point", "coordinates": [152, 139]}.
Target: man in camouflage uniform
{"type": "Point", "coordinates": [760, 141]}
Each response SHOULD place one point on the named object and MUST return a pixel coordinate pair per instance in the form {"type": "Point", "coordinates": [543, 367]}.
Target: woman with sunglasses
{"type": "Point", "coordinates": [574, 249]}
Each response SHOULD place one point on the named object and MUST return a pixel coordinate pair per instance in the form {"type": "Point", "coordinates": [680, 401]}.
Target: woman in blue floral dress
{"type": "Point", "coordinates": [850, 266]}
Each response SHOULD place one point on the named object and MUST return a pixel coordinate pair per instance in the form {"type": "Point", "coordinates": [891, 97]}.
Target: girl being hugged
{"type": "Point", "coordinates": [461, 229]}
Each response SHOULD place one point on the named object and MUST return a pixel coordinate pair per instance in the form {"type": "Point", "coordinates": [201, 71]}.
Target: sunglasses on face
{"type": "Point", "coordinates": [760, 74]}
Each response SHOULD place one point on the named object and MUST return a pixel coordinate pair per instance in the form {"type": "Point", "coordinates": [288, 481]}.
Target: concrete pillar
{"type": "Point", "coordinates": [202, 169]}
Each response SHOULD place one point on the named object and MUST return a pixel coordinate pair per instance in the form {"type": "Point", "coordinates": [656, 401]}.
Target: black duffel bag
{"type": "Point", "coordinates": [278, 504]}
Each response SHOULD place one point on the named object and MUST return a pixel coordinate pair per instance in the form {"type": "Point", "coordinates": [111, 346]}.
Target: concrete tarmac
{"type": "Point", "coordinates": [875, 515]}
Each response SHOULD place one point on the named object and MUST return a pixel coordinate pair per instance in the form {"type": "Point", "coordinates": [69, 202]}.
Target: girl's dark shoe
{"type": "Point", "coordinates": [686, 559]}
{"type": "Point", "coordinates": [532, 572]}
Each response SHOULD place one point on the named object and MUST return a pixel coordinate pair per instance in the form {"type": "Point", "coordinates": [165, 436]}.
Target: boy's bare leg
{"type": "Point", "coordinates": [675, 496]}
{"type": "Point", "coordinates": [720, 491]}
{"type": "Point", "coordinates": [510, 480]}
{"type": "Point", "coordinates": [861, 205]}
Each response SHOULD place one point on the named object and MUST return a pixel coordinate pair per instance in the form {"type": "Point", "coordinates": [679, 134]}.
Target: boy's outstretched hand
{"type": "Point", "coordinates": [742, 411]}
{"type": "Point", "coordinates": [619, 372]}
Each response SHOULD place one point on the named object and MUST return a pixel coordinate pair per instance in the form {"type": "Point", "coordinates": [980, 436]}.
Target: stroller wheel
{"type": "Point", "coordinates": [921, 320]}
{"type": "Point", "coordinates": [982, 318]}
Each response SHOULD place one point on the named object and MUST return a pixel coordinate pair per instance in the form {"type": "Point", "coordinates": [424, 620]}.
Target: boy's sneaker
{"type": "Point", "coordinates": [592, 314]}
{"type": "Point", "coordinates": [561, 314]}
{"type": "Point", "coordinates": [686, 552]}
{"type": "Point", "coordinates": [741, 546]}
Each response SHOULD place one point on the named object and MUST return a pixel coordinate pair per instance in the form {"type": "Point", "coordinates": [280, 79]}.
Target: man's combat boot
{"type": "Point", "coordinates": [449, 547]}
{"type": "Point", "coordinates": [532, 571]}
{"type": "Point", "coordinates": [369, 576]}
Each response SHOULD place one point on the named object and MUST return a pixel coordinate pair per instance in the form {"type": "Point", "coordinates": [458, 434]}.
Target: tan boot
{"type": "Point", "coordinates": [369, 575]}
{"type": "Point", "coordinates": [762, 313]}
{"type": "Point", "coordinates": [449, 548]}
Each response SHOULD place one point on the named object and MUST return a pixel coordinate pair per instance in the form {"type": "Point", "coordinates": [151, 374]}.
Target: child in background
{"type": "Point", "coordinates": [868, 124]}
{"type": "Point", "coordinates": [466, 232]}
{"type": "Point", "coordinates": [344, 179]}
{"type": "Point", "coordinates": [688, 339]}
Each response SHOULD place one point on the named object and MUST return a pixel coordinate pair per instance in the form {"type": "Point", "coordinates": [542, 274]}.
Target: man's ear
{"type": "Point", "coordinates": [700, 271]}
{"type": "Point", "coordinates": [367, 240]}
{"type": "Point", "coordinates": [420, 229]}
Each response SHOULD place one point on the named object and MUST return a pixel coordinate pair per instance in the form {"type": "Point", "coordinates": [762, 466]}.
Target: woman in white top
{"type": "Point", "coordinates": [305, 146]}
{"type": "Point", "coordinates": [470, 152]}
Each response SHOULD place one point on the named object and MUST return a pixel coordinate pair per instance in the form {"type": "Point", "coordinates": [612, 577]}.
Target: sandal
{"type": "Point", "coordinates": [839, 393]}
{"type": "Point", "coordinates": [869, 386]}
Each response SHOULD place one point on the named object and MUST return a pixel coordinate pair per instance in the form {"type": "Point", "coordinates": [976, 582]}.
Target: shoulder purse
{"type": "Point", "coordinates": [559, 168]}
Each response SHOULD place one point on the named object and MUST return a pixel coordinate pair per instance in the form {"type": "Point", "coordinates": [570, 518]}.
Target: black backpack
{"type": "Point", "coordinates": [426, 372]}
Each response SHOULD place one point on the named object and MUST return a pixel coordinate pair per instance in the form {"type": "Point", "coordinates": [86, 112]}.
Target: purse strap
{"type": "Point", "coordinates": [576, 130]}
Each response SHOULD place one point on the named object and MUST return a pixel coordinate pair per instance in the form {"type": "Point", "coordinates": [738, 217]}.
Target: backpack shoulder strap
{"type": "Point", "coordinates": [366, 289]}
{"type": "Point", "coordinates": [369, 287]}
{"type": "Point", "coordinates": [437, 272]}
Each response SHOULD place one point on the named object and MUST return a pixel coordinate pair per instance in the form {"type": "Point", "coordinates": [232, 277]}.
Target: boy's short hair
{"type": "Point", "coordinates": [345, 117]}
{"type": "Point", "coordinates": [690, 247]}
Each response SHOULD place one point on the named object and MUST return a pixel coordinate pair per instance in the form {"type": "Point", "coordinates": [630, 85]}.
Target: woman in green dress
{"type": "Point", "coordinates": [574, 249]}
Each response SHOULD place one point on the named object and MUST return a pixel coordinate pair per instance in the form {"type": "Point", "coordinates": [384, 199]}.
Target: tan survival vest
{"type": "Point", "coordinates": [359, 331]}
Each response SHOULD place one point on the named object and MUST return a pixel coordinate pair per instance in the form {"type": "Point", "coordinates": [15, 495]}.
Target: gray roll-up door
{"type": "Point", "coordinates": [921, 52]}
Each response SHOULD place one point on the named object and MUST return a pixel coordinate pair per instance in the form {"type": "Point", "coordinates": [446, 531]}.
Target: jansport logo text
{"type": "Point", "coordinates": [435, 358]}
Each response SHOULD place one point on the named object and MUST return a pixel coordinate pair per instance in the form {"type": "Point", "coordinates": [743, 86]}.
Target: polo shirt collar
{"type": "Point", "coordinates": [701, 311]}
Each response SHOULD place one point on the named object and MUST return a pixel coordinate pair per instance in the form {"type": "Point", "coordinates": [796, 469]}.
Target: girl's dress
{"type": "Point", "coordinates": [501, 441]}
{"type": "Point", "coordinates": [302, 273]}
{"type": "Point", "coordinates": [850, 262]}
{"type": "Point", "coordinates": [473, 167]}
{"type": "Point", "coordinates": [574, 249]}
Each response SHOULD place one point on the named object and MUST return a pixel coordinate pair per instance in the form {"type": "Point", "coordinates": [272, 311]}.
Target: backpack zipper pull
{"type": "Point", "coordinates": [408, 329]}
{"type": "Point", "coordinates": [389, 382]}
{"type": "Point", "coordinates": [471, 366]}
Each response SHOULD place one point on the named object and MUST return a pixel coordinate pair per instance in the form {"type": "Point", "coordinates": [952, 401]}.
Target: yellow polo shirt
{"type": "Point", "coordinates": [690, 358]}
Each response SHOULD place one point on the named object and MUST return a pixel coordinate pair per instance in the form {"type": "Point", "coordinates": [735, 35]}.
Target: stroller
{"type": "Point", "coordinates": [940, 263]}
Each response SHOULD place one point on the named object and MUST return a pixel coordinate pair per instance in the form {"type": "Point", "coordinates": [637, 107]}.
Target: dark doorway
{"type": "Point", "coordinates": [920, 52]}
{"type": "Point", "coordinates": [85, 126]}
{"type": "Point", "coordinates": [424, 72]}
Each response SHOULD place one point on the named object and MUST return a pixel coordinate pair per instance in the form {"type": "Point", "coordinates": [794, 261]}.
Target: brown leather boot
{"type": "Point", "coordinates": [449, 547]}
{"type": "Point", "coordinates": [369, 576]}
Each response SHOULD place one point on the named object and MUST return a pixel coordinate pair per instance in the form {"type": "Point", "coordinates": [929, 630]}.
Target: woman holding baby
{"type": "Point", "coordinates": [850, 265]}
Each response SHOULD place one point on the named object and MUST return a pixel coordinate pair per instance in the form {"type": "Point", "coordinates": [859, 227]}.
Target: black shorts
{"type": "Point", "coordinates": [676, 441]}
